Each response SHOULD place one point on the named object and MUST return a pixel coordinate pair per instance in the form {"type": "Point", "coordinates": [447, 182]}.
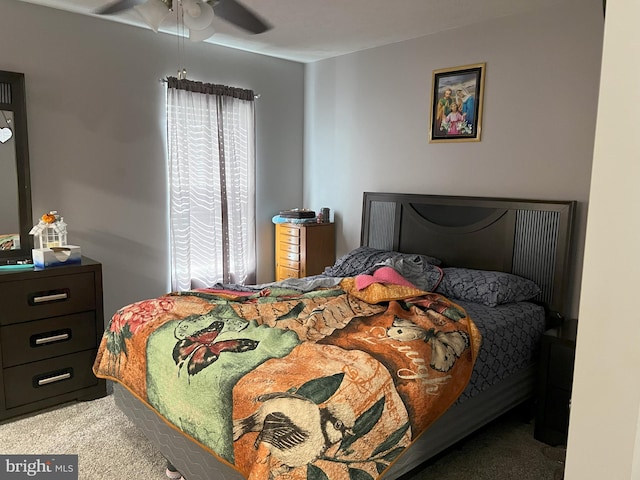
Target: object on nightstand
{"type": "Point", "coordinates": [278, 219]}
{"type": "Point", "coordinates": [50, 231]}
{"type": "Point", "coordinates": [298, 213]}
{"type": "Point", "coordinates": [55, 256]}
{"type": "Point", "coordinates": [50, 241]}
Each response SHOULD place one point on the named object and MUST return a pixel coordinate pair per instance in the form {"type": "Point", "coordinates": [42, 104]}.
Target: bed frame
{"type": "Point", "coordinates": [530, 238]}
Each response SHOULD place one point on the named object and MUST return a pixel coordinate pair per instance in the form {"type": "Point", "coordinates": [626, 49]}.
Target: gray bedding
{"type": "Point", "coordinates": [511, 336]}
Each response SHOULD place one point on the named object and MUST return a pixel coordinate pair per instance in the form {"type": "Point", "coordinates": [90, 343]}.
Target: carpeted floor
{"type": "Point", "coordinates": [505, 449]}
{"type": "Point", "coordinates": [110, 447]}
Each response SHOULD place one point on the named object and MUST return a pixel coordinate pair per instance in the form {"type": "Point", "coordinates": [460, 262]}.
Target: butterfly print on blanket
{"type": "Point", "coordinates": [201, 350]}
{"type": "Point", "coordinates": [446, 347]}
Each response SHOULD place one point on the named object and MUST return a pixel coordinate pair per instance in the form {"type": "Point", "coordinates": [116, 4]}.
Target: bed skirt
{"type": "Point", "coordinates": [195, 463]}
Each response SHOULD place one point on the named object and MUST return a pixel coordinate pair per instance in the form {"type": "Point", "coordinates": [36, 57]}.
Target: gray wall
{"type": "Point", "coordinates": [97, 140]}
{"type": "Point", "coordinates": [95, 111]}
{"type": "Point", "coordinates": [367, 118]}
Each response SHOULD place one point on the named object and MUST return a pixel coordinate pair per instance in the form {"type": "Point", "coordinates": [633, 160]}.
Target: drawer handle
{"type": "Point", "coordinates": [52, 338]}
{"type": "Point", "coordinates": [51, 298]}
{"type": "Point", "coordinates": [53, 379]}
{"type": "Point", "coordinates": [57, 378]}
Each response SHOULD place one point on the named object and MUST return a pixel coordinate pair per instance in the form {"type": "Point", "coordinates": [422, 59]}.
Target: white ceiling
{"type": "Point", "coordinates": [310, 30]}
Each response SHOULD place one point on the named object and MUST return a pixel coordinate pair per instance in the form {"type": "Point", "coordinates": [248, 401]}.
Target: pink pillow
{"type": "Point", "coordinates": [382, 275]}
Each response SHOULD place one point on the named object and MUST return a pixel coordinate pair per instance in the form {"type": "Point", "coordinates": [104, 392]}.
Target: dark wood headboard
{"type": "Point", "coordinates": [529, 238]}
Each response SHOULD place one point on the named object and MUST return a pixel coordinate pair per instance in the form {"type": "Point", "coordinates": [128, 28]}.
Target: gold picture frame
{"type": "Point", "coordinates": [464, 87]}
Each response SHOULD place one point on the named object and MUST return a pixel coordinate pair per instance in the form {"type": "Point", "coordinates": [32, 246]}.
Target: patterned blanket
{"type": "Point", "coordinates": [333, 383]}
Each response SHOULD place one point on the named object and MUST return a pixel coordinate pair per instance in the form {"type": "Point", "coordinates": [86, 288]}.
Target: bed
{"type": "Point", "coordinates": [481, 246]}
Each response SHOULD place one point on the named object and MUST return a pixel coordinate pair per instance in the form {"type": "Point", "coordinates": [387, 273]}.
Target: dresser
{"type": "Point", "coordinates": [51, 321]}
{"type": "Point", "coordinates": [557, 358]}
{"type": "Point", "coordinates": [304, 249]}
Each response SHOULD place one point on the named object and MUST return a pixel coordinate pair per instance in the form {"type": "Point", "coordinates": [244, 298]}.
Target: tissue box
{"type": "Point", "coordinates": [55, 256]}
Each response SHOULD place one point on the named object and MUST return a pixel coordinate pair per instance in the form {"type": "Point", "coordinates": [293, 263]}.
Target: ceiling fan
{"type": "Point", "coordinates": [230, 10]}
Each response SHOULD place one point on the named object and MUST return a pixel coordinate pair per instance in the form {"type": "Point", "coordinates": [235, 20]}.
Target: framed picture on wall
{"type": "Point", "coordinates": [456, 104]}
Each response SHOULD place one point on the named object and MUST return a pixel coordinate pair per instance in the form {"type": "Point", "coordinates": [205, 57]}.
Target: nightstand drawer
{"type": "Point", "coordinates": [561, 357]}
{"type": "Point", "coordinates": [52, 337]}
{"type": "Point", "coordinates": [557, 415]}
{"type": "Point", "coordinates": [47, 297]}
{"type": "Point", "coordinates": [47, 378]}
{"type": "Point", "coordinates": [555, 382]}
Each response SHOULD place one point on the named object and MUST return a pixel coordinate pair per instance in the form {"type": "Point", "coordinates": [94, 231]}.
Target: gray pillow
{"type": "Point", "coordinates": [367, 259]}
{"type": "Point", "coordinates": [486, 287]}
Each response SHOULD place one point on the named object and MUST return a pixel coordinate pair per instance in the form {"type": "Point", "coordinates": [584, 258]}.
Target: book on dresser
{"type": "Point", "coordinates": [304, 249]}
{"type": "Point", "coordinates": [51, 322]}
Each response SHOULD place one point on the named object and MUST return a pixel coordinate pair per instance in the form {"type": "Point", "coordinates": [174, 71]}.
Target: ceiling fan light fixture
{"type": "Point", "coordinates": [198, 15]}
{"type": "Point", "coordinates": [153, 12]}
{"type": "Point", "coordinates": [201, 35]}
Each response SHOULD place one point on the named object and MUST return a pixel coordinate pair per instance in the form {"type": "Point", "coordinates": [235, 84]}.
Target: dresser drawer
{"type": "Point", "coordinates": [289, 247]}
{"type": "Point", "coordinates": [284, 239]}
{"type": "Point", "coordinates": [284, 272]}
{"type": "Point", "coordinates": [290, 231]}
{"type": "Point", "coordinates": [48, 378]}
{"type": "Point", "coordinates": [36, 298]}
{"type": "Point", "coordinates": [290, 256]}
{"type": "Point", "coordinates": [285, 262]}
{"type": "Point", "coordinates": [40, 339]}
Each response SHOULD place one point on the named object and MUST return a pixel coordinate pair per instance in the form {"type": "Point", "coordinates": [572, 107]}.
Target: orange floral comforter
{"type": "Point", "coordinates": [333, 383]}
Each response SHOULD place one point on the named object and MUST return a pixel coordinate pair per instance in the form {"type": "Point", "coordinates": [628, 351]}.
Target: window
{"type": "Point", "coordinates": [211, 149]}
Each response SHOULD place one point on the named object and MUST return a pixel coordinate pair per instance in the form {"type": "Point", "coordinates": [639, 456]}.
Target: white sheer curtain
{"type": "Point", "coordinates": [211, 145]}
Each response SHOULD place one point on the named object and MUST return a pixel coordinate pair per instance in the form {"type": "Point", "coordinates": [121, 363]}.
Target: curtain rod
{"type": "Point", "coordinates": [164, 80]}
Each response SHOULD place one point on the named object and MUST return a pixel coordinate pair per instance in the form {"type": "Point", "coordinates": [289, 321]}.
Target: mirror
{"type": "Point", "coordinates": [15, 187]}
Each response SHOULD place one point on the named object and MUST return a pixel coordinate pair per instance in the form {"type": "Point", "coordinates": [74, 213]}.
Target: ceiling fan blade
{"type": "Point", "coordinates": [239, 15]}
{"type": "Point", "coordinates": [118, 6]}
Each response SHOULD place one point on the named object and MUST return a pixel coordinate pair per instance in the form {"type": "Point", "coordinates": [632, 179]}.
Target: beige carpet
{"type": "Point", "coordinates": [503, 450]}
{"type": "Point", "coordinates": [110, 447]}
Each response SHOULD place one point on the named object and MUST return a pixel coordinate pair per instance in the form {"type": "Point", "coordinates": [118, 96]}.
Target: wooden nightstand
{"type": "Point", "coordinates": [51, 322]}
{"type": "Point", "coordinates": [555, 382]}
{"type": "Point", "coordinates": [304, 249]}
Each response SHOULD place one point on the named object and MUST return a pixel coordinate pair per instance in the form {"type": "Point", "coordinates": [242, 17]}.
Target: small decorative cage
{"type": "Point", "coordinates": [51, 231]}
